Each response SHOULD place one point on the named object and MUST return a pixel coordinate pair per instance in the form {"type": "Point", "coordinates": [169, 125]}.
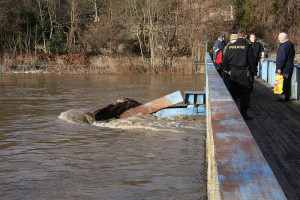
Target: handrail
{"type": "Point", "coordinates": [267, 72]}
{"type": "Point", "coordinates": [236, 168]}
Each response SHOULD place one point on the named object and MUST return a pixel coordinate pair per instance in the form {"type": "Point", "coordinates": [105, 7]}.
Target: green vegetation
{"type": "Point", "coordinates": [268, 18]}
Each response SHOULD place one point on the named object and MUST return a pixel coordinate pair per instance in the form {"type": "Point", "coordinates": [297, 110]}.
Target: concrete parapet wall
{"type": "Point", "coordinates": [236, 166]}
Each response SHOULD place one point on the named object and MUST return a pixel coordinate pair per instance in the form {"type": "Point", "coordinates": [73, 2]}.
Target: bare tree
{"type": "Point", "coordinates": [73, 6]}
{"type": "Point", "coordinates": [133, 19]}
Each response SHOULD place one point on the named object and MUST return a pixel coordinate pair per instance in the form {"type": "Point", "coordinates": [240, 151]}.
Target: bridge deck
{"type": "Point", "coordinates": [276, 129]}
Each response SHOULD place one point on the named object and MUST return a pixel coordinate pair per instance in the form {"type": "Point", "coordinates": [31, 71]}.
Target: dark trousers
{"type": "Point", "coordinates": [240, 87]}
{"type": "Point", "coordinates": [252, 82]}
{"type": "Point", "coordinates": [243, 92]}
{"type": "Point", "coordinates": [252, 76]}
{"type": "Point", "coordinates": [226, 79]}
{"type": "Point", "coordinates": [287, 79]}
{"type": "Point", "coordinates": [220, 72]}
{"type": "Point", "coordinates": [218, 67]}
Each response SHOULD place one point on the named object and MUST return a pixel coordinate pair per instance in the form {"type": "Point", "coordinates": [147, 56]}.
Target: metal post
{"type": "Point", "coordinates": [23, 69]}
{"type": "Point", "coordinates": [199, 53]}
{"type": "Point", "coordinates": [193, 58]}
{"type": "Point", "coordinates": [93, 64]}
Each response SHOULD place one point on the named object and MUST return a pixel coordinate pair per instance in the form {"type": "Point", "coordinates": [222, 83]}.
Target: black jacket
{"type": "Point", "coordinates": [257, 49]}
{"type": "Point", "coordinates": [239, 54]}
{"type": "Point", "coordinates": [285, 57]}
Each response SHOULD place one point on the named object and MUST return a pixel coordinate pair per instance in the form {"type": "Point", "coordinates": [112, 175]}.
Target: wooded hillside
{"type": "Point", "coordinates": [268, 18]}
{"type": "Point", "coordinates": [143, 27]}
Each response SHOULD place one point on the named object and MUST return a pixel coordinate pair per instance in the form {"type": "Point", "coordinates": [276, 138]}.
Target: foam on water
{"type": "Point", "coordinates": [30, 72]}
{"type": "Point", "coordinates": [75, 116]}
{"type": "Point", "coordinates": [175, 124]}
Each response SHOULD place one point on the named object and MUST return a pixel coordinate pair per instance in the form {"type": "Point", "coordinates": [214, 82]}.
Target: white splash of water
{"type": "Point", "coordinates": [30, 72]}
{"type": "Point", "coordinates": [174, 124]}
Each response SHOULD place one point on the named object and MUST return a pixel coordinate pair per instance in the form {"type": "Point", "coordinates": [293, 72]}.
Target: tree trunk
{"type": "Point", "coordinates": [138, 32]}
{"type": "Point", "coordinates": [71, 37]}
{"type": "Point", "coordinates": [96, 11]}
{"type": "Point", "coordinates": [151, 35]}
{"type": "Point", "coordinates": [51, 13]}
{"type": "Point", "coordinates": [42, 24]}
{"type": "Point", "coordinates": [113, 110]}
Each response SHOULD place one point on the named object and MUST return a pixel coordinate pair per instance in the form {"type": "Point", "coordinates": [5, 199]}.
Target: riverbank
{"type": "Point", "coordinates": [98, 64]}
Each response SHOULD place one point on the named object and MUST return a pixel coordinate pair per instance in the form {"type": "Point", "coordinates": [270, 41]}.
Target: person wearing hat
{"type": "Point", "coordinates": [233, 39]}
{"type": "Point", "coordinates": [225, 74]}
{"type": "Point", "coordinates": [218, 46]}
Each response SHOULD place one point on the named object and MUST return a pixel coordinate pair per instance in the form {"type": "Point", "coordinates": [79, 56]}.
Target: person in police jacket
{"type": "Point", "coordinates": [240, 62]}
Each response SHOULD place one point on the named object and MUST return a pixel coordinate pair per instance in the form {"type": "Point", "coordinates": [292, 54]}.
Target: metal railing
{"type": "Point", "coordinates": [267, 72]}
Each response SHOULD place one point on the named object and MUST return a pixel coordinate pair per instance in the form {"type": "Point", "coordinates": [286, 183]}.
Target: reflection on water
{"type": "Point", "coordinates": [46, 152]}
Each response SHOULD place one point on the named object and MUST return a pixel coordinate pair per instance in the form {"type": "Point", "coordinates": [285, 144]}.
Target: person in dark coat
{"type": "Point", "coordinates": [239, 61]}
{"type": "Point", "coordinates": [257, 47]}
{"type": "Point", "coordinates": [218, 47]}
{"type": "Point", "coordinates": [258, 50]}
{"type": "Point", "coordinates": [225, 74]}
{"type": "Point", "coordinates": [285, 64]}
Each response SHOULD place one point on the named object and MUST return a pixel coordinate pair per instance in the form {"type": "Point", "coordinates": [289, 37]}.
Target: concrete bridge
{"type": "Point", "coordinates": [259, 159]}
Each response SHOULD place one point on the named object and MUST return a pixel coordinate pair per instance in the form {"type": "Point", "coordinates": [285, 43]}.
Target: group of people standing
{"type": "Point", "coordinates": [237, 62]}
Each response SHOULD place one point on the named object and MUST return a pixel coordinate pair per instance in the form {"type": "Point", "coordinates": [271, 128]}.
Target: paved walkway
{"type": "Point", "coordinates": [276, 129]}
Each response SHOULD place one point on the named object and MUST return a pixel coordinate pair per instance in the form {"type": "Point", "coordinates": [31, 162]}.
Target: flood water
{"type": "Point", "coordinates": [48, 152]}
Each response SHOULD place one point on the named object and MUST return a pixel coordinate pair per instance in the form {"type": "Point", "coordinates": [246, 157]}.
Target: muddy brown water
{"type": "Point", "coordinates": [47, 152]}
